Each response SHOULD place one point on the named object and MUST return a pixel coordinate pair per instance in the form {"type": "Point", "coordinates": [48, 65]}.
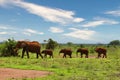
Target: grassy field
{"type": "Point", "coordinates": [70, 68]}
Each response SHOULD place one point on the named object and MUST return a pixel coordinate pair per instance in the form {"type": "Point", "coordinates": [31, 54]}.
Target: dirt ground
{"type": "Point", "coordinates": [14, 74]}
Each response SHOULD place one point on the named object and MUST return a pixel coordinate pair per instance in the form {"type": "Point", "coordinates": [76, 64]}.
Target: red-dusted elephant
{"type": "Point", "coordinates": [28, 46]}
{"type": "Point", "coordinates": [83, 51]}
{"type": "Point", "coordinates": [101, 51]}
{"type": "Point", "coordinates": [47, 52]}
{"type": "Point", "coordinates": [66, 52]}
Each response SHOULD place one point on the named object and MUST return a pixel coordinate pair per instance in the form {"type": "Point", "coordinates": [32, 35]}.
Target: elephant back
{"type": "Point", "coordinates": [34, 46]}
{"type": "Point", "coordinates": [101, 50]}
{"type": "Point", "coordinates": [65, 51]}
{"type": "Point", "coordinates": [47, 51]}
{"type": "Point", "coordinates": [83, 50]}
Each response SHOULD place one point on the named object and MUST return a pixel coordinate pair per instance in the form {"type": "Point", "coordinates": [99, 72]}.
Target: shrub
{"type": "Point", "coordinates": [7, 48]}
{"type": "Point", "coordinates": [51, 44]}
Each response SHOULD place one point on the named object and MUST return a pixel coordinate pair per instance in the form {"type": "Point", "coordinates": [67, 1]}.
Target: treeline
{"type": "Point", "coordinates": [7, 47]}
{"type": "Point", "coordinates": [114, 42]}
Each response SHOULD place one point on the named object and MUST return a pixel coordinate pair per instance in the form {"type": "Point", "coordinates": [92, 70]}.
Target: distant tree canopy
{"type": "Point", "coordinates": [51, 44]}
{"type": "Point", "coordinates": [69, 43]}
{"type": "Point", "coordinates": [82, 46]}
{"type": "Point", "coordinates": [114, 42]}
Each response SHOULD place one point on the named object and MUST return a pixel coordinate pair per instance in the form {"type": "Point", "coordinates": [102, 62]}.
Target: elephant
{"type": "Point", "coordinates": [66, 52]}
{"type": "Point", "coordinates": [82, 51]}
{"type": "Point", "coordinates": [47, 52]}
{"type": "Point", "coordinates": [101, 51]}
{"type": "Point", "coordinates": [28, 46]}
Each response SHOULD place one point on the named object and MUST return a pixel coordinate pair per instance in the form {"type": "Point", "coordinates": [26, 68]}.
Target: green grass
{"type": "Point", "coordinates": [70, 68]}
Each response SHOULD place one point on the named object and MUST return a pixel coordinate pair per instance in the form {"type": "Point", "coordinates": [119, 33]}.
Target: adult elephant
{"type": "Point", "coordinates": [101, 51]}
{"type": "Point", "coordinates": [28, 46]}
{"type": "Point", "coordinates": [47, 52]}
{"type": "Point", "coordinates": [82, 51]}
{"type": "Point", "coordinates": [66, 52]}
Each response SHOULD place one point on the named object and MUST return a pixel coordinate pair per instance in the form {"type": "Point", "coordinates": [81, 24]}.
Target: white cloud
{"type": "Point", "coordinates": [100, 21]}
{"type": "Point", "coordinates": [3, 2]}
{"type": "Point", "coordinates": [56, 30]}
{"type": "Point", "coordinates": [81, 34]}
{"type": "Point", "coordinates": [93, 24]}
{"type": "Point", "coordinates": [29, 32]}
{"type": "Point", "coordinates": [114, 12]}
{"type": "Point", "coordinates": [6, 27]}
{"type": "Point", "coordinates": [6, 30]}
{"type": "Point", "coordinates": [3, 27]}
{"type": "Point", "coordinates": [26, 33]}
{"type": "Point", "coordinates": [2, 33]}
{"type": "Point", "coordinates": [47, 13]}
{"type": "Point", "coordinates": [78, 20]}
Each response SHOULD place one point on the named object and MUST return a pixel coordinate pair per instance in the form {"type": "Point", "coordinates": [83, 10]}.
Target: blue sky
{"type": "Point", "coordinates": [77, 21]}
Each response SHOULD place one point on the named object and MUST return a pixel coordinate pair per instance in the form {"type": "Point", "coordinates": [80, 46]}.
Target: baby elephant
{"type": "Point", "coordinates": [48, 52]}
{"type": "Point", "coordinates": [101, 51]}
{"type": "Point", "coordinates": [66, 52]}
{"type": "Point", "coordinates": [83, 51]}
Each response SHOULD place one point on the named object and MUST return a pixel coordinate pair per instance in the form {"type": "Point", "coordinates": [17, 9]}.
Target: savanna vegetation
{"type": "Point", "coordinates": [74, 68]}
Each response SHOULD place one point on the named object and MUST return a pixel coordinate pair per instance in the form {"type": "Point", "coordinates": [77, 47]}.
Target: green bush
{"type": "Point", "coordinates": [51, 44]}
{"type": "Point", "coordinates": [7, 48]}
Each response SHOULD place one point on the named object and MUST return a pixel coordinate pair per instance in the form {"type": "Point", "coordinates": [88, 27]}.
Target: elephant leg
{"type": "Point", "coordinates": [70, 56]}
{"type": "Point", "coordinates": [37, 55]}
{"type": "Point", "coordinates": [99, 55]}
{"type": "Point", "coordinates": [63, 55]}
{"type": "Point", "coordinates": [86, 56]}
{"type": "Point", "coordinates": [45, 56]}
{"type": "Point", "coordinates": [40, 55]}
{"type": "Point", "coordinates": [23, 51]}
{"type": "Point", "coordinates": [104, 55]}
{"type": "Point", "coordinates": [81, 55]}
{"type": "Point", "coordinates": [27, 54]}
{"type": "Point", "coordinates": [52, 55]}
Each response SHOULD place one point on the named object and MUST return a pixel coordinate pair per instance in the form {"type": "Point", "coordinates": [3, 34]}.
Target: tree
{"type": "Point", "coordinates": [7, 49]}
{"type": "Point", "coordinates": [51, 44]}
{"type": "Point", "coordinates": [69, 43]}
{"type": "Point", "coordinates": [81, 45]}
{"type": "Point", "coordinates": [114, 42]}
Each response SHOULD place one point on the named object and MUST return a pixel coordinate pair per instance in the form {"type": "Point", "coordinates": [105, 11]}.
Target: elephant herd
{"type": "Point", "coordinates": [35, 47]}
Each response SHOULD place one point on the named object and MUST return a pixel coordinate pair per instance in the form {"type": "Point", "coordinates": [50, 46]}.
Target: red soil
{"type": "Point", "coordinates": [8, 73]}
